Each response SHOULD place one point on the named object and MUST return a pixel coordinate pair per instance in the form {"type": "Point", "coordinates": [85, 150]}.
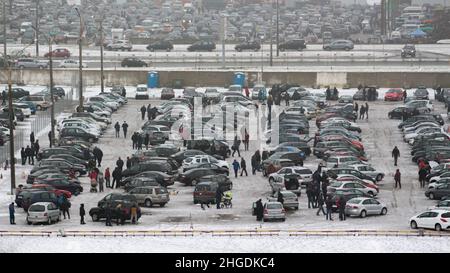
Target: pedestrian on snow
{"type": "Point", "coordinates": [328, 93]}
{"type": "Point", "coordinates": [125, 129]}
{"type": "Point", "coordinates": [246, 140]}
{"type": "Point", "coordinates": [124, 92]}
{"type": "Point", "coordinates": [108, 214]}
{"type": "Point", "coordinates": [23, 156]}
{"type": "Point", "coordinates": [36, 147]}
{"type": "Point", "coordinates": [33, 153]}
{"type": "Point", "coordinates": [259, 210]}
{"type": "Point", "coordinates": [286, 98]}
{"type": "Point", "coordinates": [32, 139]}
{"type": "Point", "coordinates": [219, 194]}
{"type": "Point", "coordinates": [309, 194]}
{"type": "Point", "coordinates": [101, 181]}
{"type": "Point", "coordinates": [243, 167]}
{"type": "Point", "coordinates": [364, 94]}
{"type": "Point", "coordinates": [149, 114]}
{"type": "Point", "coordinates": [362, 110]}
{"type": "Point", "coordinates": [117, 176]}
{"type": "Point", "coordinates": [29, 155]}
{"type": "Point", "coordinates": [146, 140]}
{"type": "Point", "coordinates": [258, 160]}
{"type": "Point", "coordinates": [235, 168]}
{"type": "Point", "coordinates": [395, 155]}
{"type": "Point", "coordinates": [265, 155]}
{"type": "Point", "coordinates": [140, 140]}
{"type": "Point", "coordinates": [117, 127]}
{"type": "Point", "coordinates": [366, 110]}
{"type": "Point", "coordinates": [134, 217]}
{"type": "Point", "coordinates": [422, 177]}
{"type": "Point", "coordinates": [82, 214]}
{"type": "Point", "coordinates": [335, 93]}
{"type": "Point", "coordinates": [134, 140]}
{"type": "Point", "coordinates": [98, 155]}
{"type": "Point", "coordinates": [356, 107]}
{"type": "Point", "coordinates": [65, 206]}
{"type": "Point", "coordinates": [247, 92]}
{"type": "Point", "coordinates": [320, 203]}
{"type": "Point", "coordinates": [405, 95]}
{"type": "Point", "coordinates": [325, 184]}
{"type": "Point", "coordinates": [108, 178]}
{"type": "Point", "coordinates": [397, 178]}
{"type": "Point", "coordinates": [12, 219]}
{"type": "Point", "coordinates": [360, 87]}
{"type": "Point", "coordinates": [254, 164]}
{"type": "Point", "coordinates": [3, 97]}
{"type": "Point", "coordinates": [50, 138]}
{"type": "Point", "coordinates": [341, 206]}
{"type": "Point", "coordinates": [280, 197]}
{"type": "Point", "coordinates": [236, 144]}
{"type": "Point", "coordinates": [143, 110]}
{"type": "Point", "coordinates": [270, 102]}
{"type": "Point", "coordinates": [329, 205]}
{"type": "Point", "coordinates": [119, 163]}
{"type": "Point", "coordinates": [128, 162]}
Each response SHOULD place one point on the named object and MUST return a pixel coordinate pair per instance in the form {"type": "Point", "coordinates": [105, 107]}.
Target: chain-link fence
{"type": "Point", "coordinates": [40, 124]}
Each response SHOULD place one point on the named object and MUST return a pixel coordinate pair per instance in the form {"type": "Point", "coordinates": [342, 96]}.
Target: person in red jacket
{"type": "Point", "coordinates": [107, 178]}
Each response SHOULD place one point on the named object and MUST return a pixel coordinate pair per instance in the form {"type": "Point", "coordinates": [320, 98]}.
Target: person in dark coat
{"type": "Point", "coordinates": [140, 140]}
{"type": "Point", "coordinates": [395, 155]}
{"type": "Point", "coordinates": [280, 197]}
{"type": "Point", "coordinates": [23, 156]}
{"type": "Point", "coordinates": [117, 127]}
{"type": "Point", "coordinates": [119, 163]}
{"type": "Point", "coordinates": [143, 110]}
{"type": "Point", "coordinates": [329, 205]}
{"type": "Point", "coordinates": [98, 155]}
{"type": "Point", "coordinates": [397, 178]}
{"type": "Point", "coordinates": [364, 94]}
{"type": "Point", "coordinates": [236, 167]}
{"type": "Point", "coordinates": [108, 214]}
{"type": "Point", "coordinates": [325, 184]}
{"type": "Point", "coordinates": [243, 167]}
{"type": "Point", "coordinates": [362, 111]}
{"type": "Point", "coordinates": [32, 139]}
{"type": "Point", "coordinates": [235, 147]}
{"type": "Point", "coordinates": [320, 203]}
{"type": "Point", "coordinates": [12, 219]}
{"type": "Point", "coordinates": [366, 109]}
{"type": "Point", "coordinates": [341, 206]}
{"type": "Point", "coordinates": [124, 92]}
{"type": "Point", "coordinates": [254, 164]}
{"type": "Point", "coordinates": [29, 155]}
{"type": "Point", "coordinates": [65, 206]}
{"type": "Point", "coordinates": [309, 194]}
{"type": "Point", "coordinates": [356, 107]}
{"type": "Point", "coordinates": [335, 93]}
{"type": "Point", "coordinates": [265, 155]}
{"type": "Point", "coordinates": [115, 175]}
{"type": "Point", "coordinates": [219, 194]}
{"type": "Point", "coordinates": [259, 210]}
{"type": "Point", "coordinates": [286, 98]}
{"type": "Point", "coordinates": [405, 95]}
{"type": "Point", "coordinates": [328, 93]}
{"type": "Point", "coordinates": [128, 162]}
{"type": "Point", "coordinates": [82, 214]}
{"type": "Point", "coordinates": [258, 159]}
{"type": "Point", "coordinates": [36, 147]}
{"type": "Point", "coordinates": [3, 97]}
{"type": "Point", "coordinates": [146, 140]}
{"type": "Point", "coordinates": [422, 177]}
{"type": "Point", "coordinates": [50, 138]}
{"type": "Point", "coordinates": [125, 129]}
{"type": "Point", "coordinates": [134, 140]}
{"type": "Point", "coordinates": [149, 114]}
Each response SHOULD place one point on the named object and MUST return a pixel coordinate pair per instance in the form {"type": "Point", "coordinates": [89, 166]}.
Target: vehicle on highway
{"type": "Point", "coordinates": [339, 45]}
{"type": "Point", "coordinates": [249, 45]}
{"type": "Point", "coordinates": [71, 64]}
{"type": "Point", "coordinates": [409, 50]}
{"type": "Point", "coordinates": [142, 92]}
{"type": "Point", "coordinates": [274, 211]}
{"type": "Point", "coordinates": [364, 206]}
{"type": "Point", "coordinates": [202, 46]}
{"type": "Point", "coordinates": [298, 44]}
{"type": "Point", "coordinates": [149, 196]}
{"type": "Point", "coordinates": [119, 45]}
{"type": "Point", "coordinates": [23, 63]}
{"type": "Point", "coordinates": [160, 45]}
{"type": "Point", "coordinates": [43, 212]}
{"type": "Point", "coordinates": [394, 94]}
{"type": "Point", "coordinates": [432, 219]}
{"type": "Point", "coordinates": [133, 62]}
{"type": "Point", "coordinates": [58, 53]}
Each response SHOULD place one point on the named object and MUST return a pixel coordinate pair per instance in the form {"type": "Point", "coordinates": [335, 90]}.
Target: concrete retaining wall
{"type": "Point", "coordinates": [225, 78]}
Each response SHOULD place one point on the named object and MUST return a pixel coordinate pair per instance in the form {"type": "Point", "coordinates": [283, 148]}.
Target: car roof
{"type": "Point", "coordinates": [41, 203]}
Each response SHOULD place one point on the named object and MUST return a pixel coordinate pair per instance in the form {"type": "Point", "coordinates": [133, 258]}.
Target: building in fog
{"type": "Point", "coordinates": [431, 2]}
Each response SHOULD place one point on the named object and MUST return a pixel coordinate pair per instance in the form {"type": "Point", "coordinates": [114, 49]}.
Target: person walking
{"type": "Point", "coordinates": [115, 176]}
{"type": "Point", "coordinates": [134, 140]}
{"type": "Point", "coordinates": [65, 206]}
{"type": "Point", "coordinates": [3, 97]}
{"type": "Point", "coordinates": [320, 203]}
{"type": "Point", "coordinates": [395, 155]}
{"type": "Point", "coordinates": [108, 214]}
{"type": "Point", "coordinates": [341, 206]}
{"type": "Point", "coordinates": [101, 180]}
{"type": "Point", "coordinates": [32, 139]}
{"type": "Point", "coordinates": [219, 194]}
{"type": "Point", "coordinates": [422, 177]}
{"type": "Point", "coordinates": [280, 197]}
{"type": "Point", "coordinates": [108, 178]}
{"type": "Point", "coordinates": [259, 210]}
{"type": "Point", "coordinates": [140, 140]}
{"type": "Point", "coordinates": [366, 110]}
{"type": "Point", "coordinates": [235, 168]}
{"type": "Point", "coordinates": [405, 95]}
{"type": "Point", "coordinates": [246, 140]}
{"type": "Point", "coordinates": [236, 144]}
{"type": "Point", "coordinates": [286, 98]}
{"type": "Point", "coordinates": [243, 167]}
{"type": "Point", "coordinates": [117, 127]}
{"type": "Point", "coordinates": [28, 154]}
{"type": "Point", "coordinates": [36, 147]}
{"type": "Point", "coordinates": [98, 155]}
{"type": "Point", "coordinates": [23, 156]}
{"type": "Point", "coordinates": [82, 214]}
{"type": "Point", "coordinates": [125, 129]}
{"type": "Point", "coordinates": [128, 164]}
{"type": "Point", "coordinates": [362, 110]}
{"type": "Point", "coordinates": [329, 206]}
{"type": "Point", "coordinates": [269, 102]}
{"type": "Point", "coordinates": [12, 219]}
{"type": "Point", "coordinates": [254, 164]}
{"type": "Point", "coordinates": [397, 179]}
{"type": "Point", "coordinates": [356, 107]}
{"type": "Point", "coordinates": [119, 163]}
{"type": "Point", "coordinates": [149, 114]}
{"type": "Point", "coordinates": [146, 140]}
{"type": "Point", "coordinates": [247, 92]}
{"type": "Point", "coordinates": [309, 194]}
{"type": "Point", "coordinates": [143, 110]}
{"type": "Point", "coordinates": [134, 217]}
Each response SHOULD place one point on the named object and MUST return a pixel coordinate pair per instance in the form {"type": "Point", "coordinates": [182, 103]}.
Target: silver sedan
{"type": "Point", "coordinates": [362, 206]}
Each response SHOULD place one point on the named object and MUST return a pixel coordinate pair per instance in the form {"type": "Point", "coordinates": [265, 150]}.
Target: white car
{"type": "Point", "coordinates": [409, 130]}
{"type": "Point", "coordinates": [81, 125]}
{"type": "Point", "coordinates": [342, 161]}
{"type": "Point", "coordinates": [70, 64]}
{"type": "Point", "coordinates": [4, 131]}
{"type": "Point", "coordinates": [204, 159]}
{"type": "Point", "coordinates": [422, 131]}
{"type": "Point", "coordinates": [142, 92]}
{"type": "Point", "coordinates": [24, 107]}
{"type": "Point", "coordinates": [421, 104]}
{"type": "Point", "coordinates": [437, 219]}
{"type": "Point", "coordinates": [437, 178]}
{"type": "Point", "coordinates": [43, 212]}
{"type": "Point", "coordinates": [110, 103]}
{"type": "Point", "coordinates": [347, 185]}
{"type": "Point", "coordinates": [368, 170]}
{"type": "Point", "coordinates": [304, 173]}
{"type": "Point", "coordinates": [434, 184]}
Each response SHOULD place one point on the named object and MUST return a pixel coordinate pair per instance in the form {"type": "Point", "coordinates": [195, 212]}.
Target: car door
{"type": "Point", "coordinates": [368, 206]}
{"type": "Point", "coordinates": [139, 193]}
{"type": "Point", "coordinates": [376, 206]}
{"type": "Point", "coordinates": [53, 210]}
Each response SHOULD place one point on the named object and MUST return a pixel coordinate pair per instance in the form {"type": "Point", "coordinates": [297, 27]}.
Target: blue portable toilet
{"type": "Point", "coordinates": [153, 79]}
{"type": "Point", "coordinates": [239, 78]}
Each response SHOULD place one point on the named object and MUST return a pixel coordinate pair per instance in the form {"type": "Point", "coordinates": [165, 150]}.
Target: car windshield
{"type": "Point", "coordinates": [37, 208]}
{"type": "Point", "coordinates": [274, 206]}
{"type": "Point", "coordinates": [336, 185]}
{"type": "Point", "coordinates": [305, 171]}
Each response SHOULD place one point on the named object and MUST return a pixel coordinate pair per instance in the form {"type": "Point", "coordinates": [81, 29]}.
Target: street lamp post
{"type": "Point", "coordinates": [102, 85]}
{"type": "Point", "coordinates": [36, 40]}
{"type": "Point", "coordinates": [12, 158]}
{"type": "Point", "coordinates": [52, 108]}
{"type": "Point", "coordinates": [4, 30]}
{"type": "Point", "coordinates": [80, 65]}
{"type": "Point", "coordinates": [278, 31]}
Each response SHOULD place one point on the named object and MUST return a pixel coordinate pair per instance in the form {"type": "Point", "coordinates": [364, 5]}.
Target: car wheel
{"type": "Point", "coordinates": [162, 205]}
{"type": "Point", "coordinates": [370, 193]}
{"type": "Point", "coordinates": [148, 203]}
{"type": "Point", "coordinates": [413, 225]}
{"type": "Point", "coordinates": [363, 214]}
{"type": "Point", "coordinates": [438, 227]}
{"type": "Point", "coordinates": [271, 179]}
{"type": "Point", "coordinates": [95, 217]}
{"type": "Point", "coordinates": [384, 211]}
{"type": "Point", "coordinates": [432, 196]}
{"type": "Point", "coordinates": [49, 221]}
{"type": "Point", "coordinates": [379, 177]}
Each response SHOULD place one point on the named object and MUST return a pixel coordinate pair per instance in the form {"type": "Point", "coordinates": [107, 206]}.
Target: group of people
{"type": "Point", "coordinates": [151, 112]}
{"type": "Point", "coordinates": [31, 151]}
{"type": "Point", "coordinates": [363, 110]}
{"type": "Point", "coordinates": [331, 94]}
{"type": "Point", "coordinates": [124, 129]}
{"type": "Point", "coordinates": [368, 93]}
{"type": "Point", "coordinates": [140, 140]}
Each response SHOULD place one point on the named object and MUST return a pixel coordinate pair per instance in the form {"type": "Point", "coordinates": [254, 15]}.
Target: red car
{"type": "Point", "coordinates": [49, 188]}
{"type": "Point", "coordinates": [59, 53]}
{"type": "Point", "coordinates": [394, 94]}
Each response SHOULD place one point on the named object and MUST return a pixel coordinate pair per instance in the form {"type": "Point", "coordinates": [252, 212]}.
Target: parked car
{"type": "Point", "coordinates": [29, 197]}
{"type": "Point", "coordinates": [42, 102]}
{"type": "Point", "coordinates": [43, 212]}
{"type": "Point", "coordinates": [141, 182]}
{"type": "Point", "coordinates": [290, 199]}
{"type": "Point", "coordinates": [98, 213]}
{"type": "Point", "coordinates": [17, 93]}
{"type": "Point", "coordinates": [23, 63]}
{"type": "Point", "coordinates": [151, 195]}
{"type": "Point", "coordinates": [63, 184]}
{"type": "Point", "coordinates": [368, 170]}
{"type": "Point", "coordinates": [339, 45]}
{"type": "Point", "coordinates": [160, 45]}
{"type": "Point", "coordinates": [148, 166]}
{"type": "Point", "coordinates": [364, 206]}
{"type": "Point", "coordinates": [394, 94]}
{"type": "Point", "coordinates": [274, 211]}
{"type": "Point", "coordinates": [438, 192]}
{"type": "Point", "coordinates": [192, 177]}
{"type": "Point", "coordinates": [167, 93]}
{"type": "Point", "coordinates": [79, 133]}
{"type": "Point", "coordinates": [142, 92]}
{"type": "Point", "coordinates": [133, 62]}
{"type": "Point", "coordinates": [349, 185]}
{"type": "Point", "coordinates": [433, 219]}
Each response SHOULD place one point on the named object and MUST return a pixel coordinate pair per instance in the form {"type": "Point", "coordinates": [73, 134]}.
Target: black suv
{"type": "Point", "coordinates": [78, 133]}
{"type": "Point", "coordinates": [202, 46]}
{"type": "Point", "coordinates": [17, 93]}
{"type": "Point", "coordinates": [409, 51]}
{"type": "Point", "coordinates": [31, 197]}
{"type": "Point", "coordinates": [255, 46]}
{"type": "Point", "coordinates": [148, 166]}
{"type": "Point", "coordinates": [160, 45]}
{"type": "Point", "coordinates": [293, 45]}
{"type": "Point", "coordinates": [133, 62]}
{"type": "Point", "coordinates": [124, 213]}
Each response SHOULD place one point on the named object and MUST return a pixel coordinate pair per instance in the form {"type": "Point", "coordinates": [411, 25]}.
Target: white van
{"type": "Point", "coordinates": [142, 92]}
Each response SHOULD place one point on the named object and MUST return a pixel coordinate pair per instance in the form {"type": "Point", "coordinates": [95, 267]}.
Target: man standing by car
{"type": "Point", "coordinates": [117, 127]}
{"type": "Point", "coordinates": [115, 175]}
{"type": "Point", "coordinates": [98, 155]}
{"type": "Point", "coordinates": [119, 163]}
{"type": "Point", "coordinates": [219, 194]}
{"type": "Point", "coordinates": [32, 138]}
{"type": "Point", "coordinates": [422, 176]}
{"type": "Point", "coordinates": [236, 144]}
{"type": "Point", "coordinates": [29, 155]}
{"type": "Point", "coordinates": [11, 214]}
{"type": "Point", "coordinates": [329, 205]}
{"type": "Point", "coordinates": [149, 113]}
{"type": "Point", "coordinates": [341, 206]}
{"type": "Point", "coordinates": [259, 210]}
{"type": "Point", "coordinates": [397, 178]}
{"type": "Point", "coordinates": [143, 110]}
{"type": "Point", "coordinates": [23, 156]}
{"type": "Point", "coordinates": [395, 155]}
{"type": "Point", "coordinates": [108, 214]}
{"type": "Point", "coordinates": [243, 167]}
{"type": "Point", "coordinates": [235, 168]}
{"type": "Point", "coordinates": [82, 214]}
{"type": "Point", "coordinates": [125, 129]}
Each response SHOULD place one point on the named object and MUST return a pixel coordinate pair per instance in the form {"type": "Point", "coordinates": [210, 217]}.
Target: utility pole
{"type": "Point", "coordinates": [36, 40]}
{"type": "Point", "coordinates": [278, 31]}
{"type": "Point", "coordinates": [224, 25]}
{"type": "Point", "coordinates": [4, 31]}
{"type": "Point", "coordinates": [270, 36]}
{"type": "Point", "coordinates": [52, 108]}
{"type": "Point", "coordinates": [102, 88]}
{"type": "Point", "coordinates": [12, 158]}
{"type": "Point", "coordinates": [80, 60]}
